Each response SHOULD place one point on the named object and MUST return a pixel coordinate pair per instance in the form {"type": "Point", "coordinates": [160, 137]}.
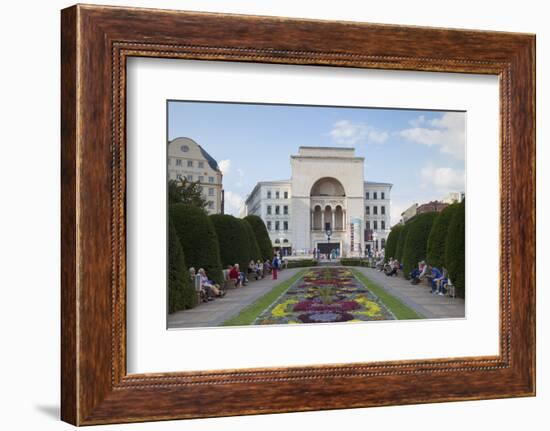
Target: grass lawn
{"type": "Point", "coordinates": [398, 308]}
{"type": "Point", "coordinates": [250, 313]}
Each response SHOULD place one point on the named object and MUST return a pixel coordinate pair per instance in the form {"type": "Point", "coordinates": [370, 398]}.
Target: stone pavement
{"type": "Point", "coordinates": [214, 313]}
{"type": "Point", "coordinates": [418, 297]}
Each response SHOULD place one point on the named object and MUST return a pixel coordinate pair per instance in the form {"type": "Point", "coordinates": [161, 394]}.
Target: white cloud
{"type": "Point", "coordinates": [225, 166]}
{"type": "Point", "coordinates": [448, 133]}
{"type": "Point", "coordinates": [233, 202]}
{"type": "Point", "coordinates": [345, 132]}
{"type": "Point", "coordinates": [443, 178]}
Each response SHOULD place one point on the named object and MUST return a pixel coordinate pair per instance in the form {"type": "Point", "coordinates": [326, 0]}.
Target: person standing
{"type": "Point", "coordinates": [274, 267]}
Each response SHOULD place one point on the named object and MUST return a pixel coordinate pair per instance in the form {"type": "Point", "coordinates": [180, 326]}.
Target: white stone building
{"type": "Point", "coordinates": [187, 159]}
{"type": "Point", "coordinates": [326, 194]}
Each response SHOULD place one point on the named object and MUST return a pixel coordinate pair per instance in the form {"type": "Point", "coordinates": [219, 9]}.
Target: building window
{"type": "Point", "coordinates": [383, 225]}
{"type": "Point", "coordinates": [383, 243]}
{"type": "Point", "coordinates": [269, 194]}
{"type": "Point", "coordinates": [211, 179]}
{"type": "Point", "coordinates": [184, 148]}
{"type": "Point", "coordinates": [374, 195]}
{"type": "Point", "coordinates": [383, 209]}
{"type": "Point", "coordinates": [210, 204]}
{"type": "Point", "coordinates": [286, 195]}
{"type": "Point", "coordinates": [189, 163]}
{"type": "Point", "coordinates": [178, 177]}
{"type": "Point", "coordinates": [367, 210]}
{"type": "Point", "coordinates": [201, 179]}
{"type": "Point", "coordinates": [375, 210]}
{"type": "Point", "coordinates": [277, 225]}
{"type": "Point", "coordinates": [211, 191]}
{"type": "Point", "coordinates": [201, 165]}
{"type": "Point", "coordinates": [178, 162]}
{"type": "Point", "coordinates": [277, 195]}
{"type": "Point", "coordinates": [375, 225]}
{"type": "Point", "coordinates": [269, 210]}
{"type": "Point", "coordinates": [277, 209]}
{"type": "Point", "coordinates": [367, 224]}
{"type": "Point", "coordinates": [285, 210]}
{"type": "Point", "coordinates": [285, 225]}
{"type": "Point", "coordinates": [189, 177]}
{"type": "Point", "coordinates": [382, 195]}
{"type": "Point", "coordinates": [367, 195]}
{"type": "Point", "coordinates": [268, 225]}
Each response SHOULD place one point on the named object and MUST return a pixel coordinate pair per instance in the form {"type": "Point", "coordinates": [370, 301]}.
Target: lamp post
{"type": "Point", "coordinates": [328, 233]}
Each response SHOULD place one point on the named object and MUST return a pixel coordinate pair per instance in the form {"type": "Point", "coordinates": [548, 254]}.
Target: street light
{"type": "Point", "coordinates": [328, 233]}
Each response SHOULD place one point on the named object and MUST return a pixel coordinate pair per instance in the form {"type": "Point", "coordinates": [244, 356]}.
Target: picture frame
{"type": "Point", "coordinates": [96, 41]}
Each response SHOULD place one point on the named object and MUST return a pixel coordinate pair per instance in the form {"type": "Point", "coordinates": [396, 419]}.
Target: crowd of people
{"type": "Point", "coordinates": [439, 278]}
{"type": "Point", "coordinates": [210, 290]}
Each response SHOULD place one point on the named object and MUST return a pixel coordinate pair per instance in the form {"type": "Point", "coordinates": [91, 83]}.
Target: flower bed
{"type": "Point", "coordinates": [325, 295]}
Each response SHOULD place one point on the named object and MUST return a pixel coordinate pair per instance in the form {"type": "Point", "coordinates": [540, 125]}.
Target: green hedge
{"type": "Point", "coordinates": [438, 235]}
{"type": "Point", "coordinates": [301, 263]}
{"type": "Point", "coordinates": [262, 236]}
{"type": "Point", "coordinates": [254, 248]}
{"type": "Point", "coordinates": [417, 240]}
{"type": "Point", "coordinates": [391, 243]}
{"type": "Point", "coordinates": [351, 261]}
{"type": "Point", "coordinates": [455, 251]}
{"type": "Point", "coordinates": [181, 291]}
{"type": "Point", "coordinates": [233, 240]}
{"type": "Point", "coordinates": [400, 247]}
{"type": "Point", "coordinates": [198, 239]}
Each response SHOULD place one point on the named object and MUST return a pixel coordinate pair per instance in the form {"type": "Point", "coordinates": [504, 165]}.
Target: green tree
{"type": "Point", "coordinates": [438, 237]}
{"type": "Point", "coordinates": [233, 240]}
{"type": "Point", "coordinates": [391, 243]}
{"type": "Point", "coordinates": [186, 192]}
{"type": "Point", "coordinates": [262, 236]}
{"type": "Point", "coordinates": [181, 291]}
{"type": "Point", "coordinates": [417, 240]}
{"type": "Point", "coordinates": [455, 249]}
{"type": "Point", "coordinates": [252, 242]}
{"type": "Point", "coordinates": [400, 247]}
{"type": "Point", "coordinates": [198, 239]}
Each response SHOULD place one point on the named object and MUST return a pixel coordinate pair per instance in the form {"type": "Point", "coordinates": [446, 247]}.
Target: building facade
{"type": "Point", "coordinates": [187, 159]}
{"type": "Point", "coordinates": [323, 205]}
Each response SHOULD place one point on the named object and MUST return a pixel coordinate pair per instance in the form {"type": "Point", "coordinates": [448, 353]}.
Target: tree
{"type": "Point", "coordinates": [186, 192]}
{"type": "Point", "coordinates": [262, 236]}
{"type": "Point", "coordinates": [438, 237]}
{"type": "Point", "coordinates": [198, 239]}
{"type": "Point", "coordinates": [391, 243]}
{"type": "Point", "coordinates": [455, 249]}
{"type": "Point", "coordinates": [417, 240]}
{"type": "Point", "coordinates": [401, 242]}
{"type": "Point", "coordinates": [181, 291]}
{"type": "Point", "coordinates": [252, 242]}
{"type": "Point", "coordinates": [233, 240]}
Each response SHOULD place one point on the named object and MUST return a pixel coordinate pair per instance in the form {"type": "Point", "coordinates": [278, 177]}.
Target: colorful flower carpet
{"type": "Point", "coordinates": [325, 295]}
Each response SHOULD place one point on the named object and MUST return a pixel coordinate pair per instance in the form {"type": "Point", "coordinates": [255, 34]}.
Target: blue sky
{"type": "Point", "coordinates": [420, 152]}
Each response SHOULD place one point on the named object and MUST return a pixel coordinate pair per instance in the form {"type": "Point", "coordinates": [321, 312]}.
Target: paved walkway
{"type": "Point", "coordinates": [214, 313]}
{"type": "Point", "coordinates": [418, 297]}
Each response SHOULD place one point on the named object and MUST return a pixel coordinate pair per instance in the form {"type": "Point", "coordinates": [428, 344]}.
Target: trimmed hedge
{"type": "Point", "coordinates": [181, 292]}
{"type": "Point", "coordinates": [254, 248]}
{"type": "Point", "coordinates": [400, 247]}
{"type": "Point", "coordinates": [417, 240]}
{"type": "Point", "coordinates": [198, 239]}
{"type": "Point", "coordinates": [233, 240]}
{"type": "Point", "coordinates": [455, 249]}
{"type": "Point", "coordinates": [391, 243]}
{"type": "Point", "coordinates": [438, 236]}
{"type": "Point", "coordinates": [350, 261]}
{"type": "Point", "coordinates": [301, 263]}
{"type": "Point", "coordinates": [262, 236]}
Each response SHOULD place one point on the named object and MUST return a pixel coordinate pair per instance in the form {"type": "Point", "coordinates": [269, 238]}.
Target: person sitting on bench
{"type": "Point", "coordinates": [417, 274]}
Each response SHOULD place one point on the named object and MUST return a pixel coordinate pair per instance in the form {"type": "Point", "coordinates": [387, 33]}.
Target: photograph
{"type": "Point", "coordinates": [281, 214]}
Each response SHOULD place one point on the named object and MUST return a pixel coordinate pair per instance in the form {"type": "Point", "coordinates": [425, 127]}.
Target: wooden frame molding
{"type": "Point", "coordinates": [95, 43]}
